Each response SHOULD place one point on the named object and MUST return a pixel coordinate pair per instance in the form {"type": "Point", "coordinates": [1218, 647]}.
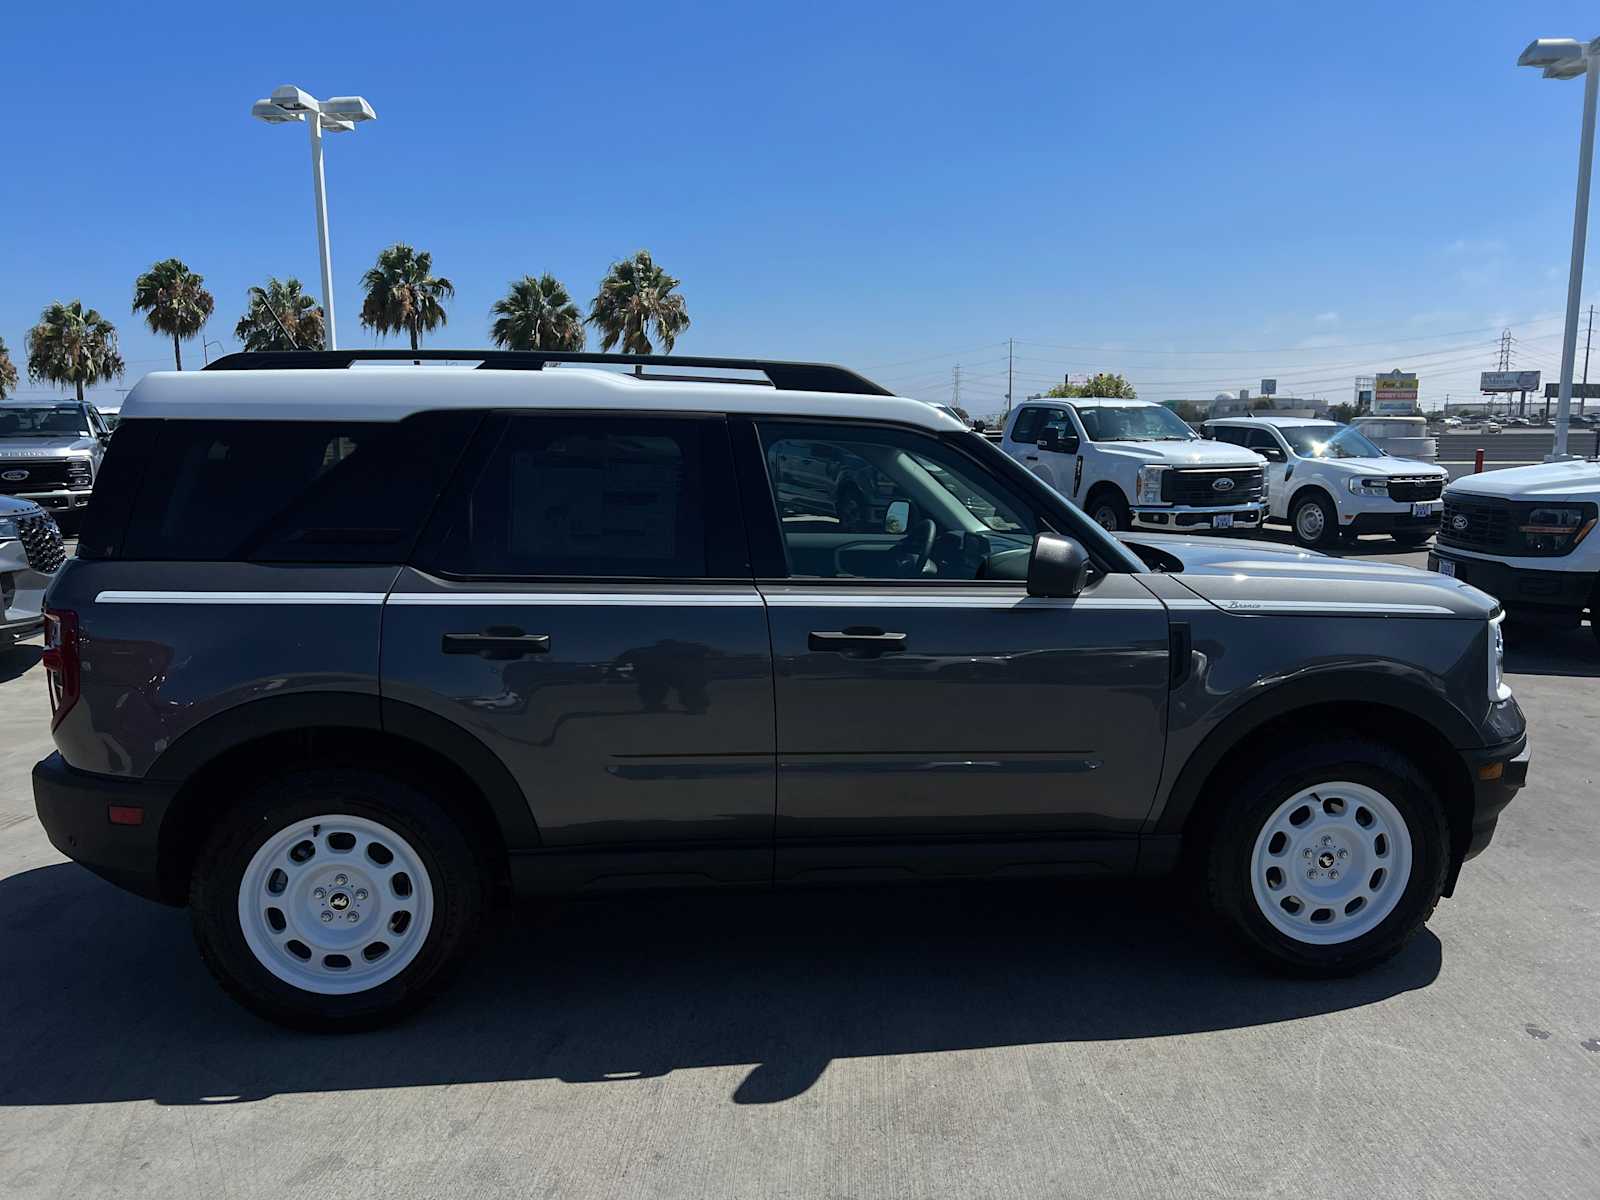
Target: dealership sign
{"type": "Point", "coordinates": [1508, 381]}
{"type": "Point", "coordinates": [1396, 385]}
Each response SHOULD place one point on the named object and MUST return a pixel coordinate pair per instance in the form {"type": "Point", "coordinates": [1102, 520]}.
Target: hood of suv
{"type": "Point", "coordinates": [45, 447]}
{"type": "Point", "coordinates": [1576, 480]}
{"type": "Point", "coordinates": [1248, 576]}
{"type": "Point", "coordinates": [1199, 453]}
{"type": "Point", "coordinates": [1382, 466]}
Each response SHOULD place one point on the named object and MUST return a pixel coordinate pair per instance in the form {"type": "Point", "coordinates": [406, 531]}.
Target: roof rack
{"type": "Point", "coordinates": [784, 376]}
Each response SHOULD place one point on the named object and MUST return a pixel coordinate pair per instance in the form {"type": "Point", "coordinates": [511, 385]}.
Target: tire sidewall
{"type": "Point", "coordinates": [1115, 505]}
{"type": "Point", "coordinates": [1330, 520]}
{"type": "Point", "coordinates": [453, 875]}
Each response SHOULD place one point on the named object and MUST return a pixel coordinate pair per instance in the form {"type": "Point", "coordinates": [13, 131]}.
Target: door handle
{"type": "Point", "coordinates": [1031, 457]}
{"type": "Point", "coordinates": [856, 640]}
{"type": "Point", "coordinates": [498, 642]}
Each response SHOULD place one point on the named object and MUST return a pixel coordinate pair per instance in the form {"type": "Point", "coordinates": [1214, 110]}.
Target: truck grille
{"type": "Point", "coordinates": [43, 474]}
{"type": "Point", "coordinates": [1475, 524]}
{"type": "Point", "coordinates": [1411, 489]}
{"type": "Point", "coordinates": [41, 541]}
{"type": "Point", "coordinates": [1196, 486]}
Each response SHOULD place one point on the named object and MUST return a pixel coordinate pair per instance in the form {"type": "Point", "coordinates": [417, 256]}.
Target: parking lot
{"type": "Point", "coordinates": [1085, 1041]}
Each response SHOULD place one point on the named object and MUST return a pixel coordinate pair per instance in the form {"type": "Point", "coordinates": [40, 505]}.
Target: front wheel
{"type": "Point", "coordinates": [335, 899]}
{"type": "Point", "coordinates": [1329, 860]}
{"type": "Point", "coordinates": [1314, 521]}
{"type": "Point", "coordinates": [1110, 511]}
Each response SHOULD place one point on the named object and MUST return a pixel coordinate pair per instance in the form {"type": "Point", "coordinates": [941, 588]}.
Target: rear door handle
{"type": "Point", "coordinates": [498, 641]}
{"type": "Point", "coordinates": [856, 640]}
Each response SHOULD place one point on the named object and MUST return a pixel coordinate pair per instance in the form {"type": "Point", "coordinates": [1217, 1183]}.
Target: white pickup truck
{"type": "Point", "coordinates": [1131, 463]}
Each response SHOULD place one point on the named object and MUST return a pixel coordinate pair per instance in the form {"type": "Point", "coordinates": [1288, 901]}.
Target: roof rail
{"type": "Point", "coordinates": [784, 376]}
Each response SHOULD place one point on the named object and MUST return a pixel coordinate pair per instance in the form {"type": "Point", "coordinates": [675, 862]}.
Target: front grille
{"type": "Point", "coordinates": [43, 474]}
{"type": "Point", "coordinates": [1412, 490]}
{"type": "Point", "coordinates": [1196, 486]}
{"type": "Point", "coordinates": [41, 541]}
{"type": "Point", "coordinates": [1476, 524]}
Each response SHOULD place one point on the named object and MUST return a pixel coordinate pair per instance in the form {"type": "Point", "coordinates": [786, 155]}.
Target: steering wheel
{"type": "Point", "coordinates": [912, 552]}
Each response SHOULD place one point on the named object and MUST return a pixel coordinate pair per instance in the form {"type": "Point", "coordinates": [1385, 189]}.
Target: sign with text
{"type": "Point", "coordinates": [1580, 391]}
{"type": "Point", "coordinates": [1508, 381]}
{"type": "Point", "coordinates": [1396, 385]}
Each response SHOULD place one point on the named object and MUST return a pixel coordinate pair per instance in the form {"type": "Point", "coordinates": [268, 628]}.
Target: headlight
{"type": "Point", "coordinates": [8, 528]}
{"type": "Point", "coordinates": [1497, 660]}
{"type": "Point", "coordinates": [1555, 528]}
{"type": "Point", "coordinates": [1148, 489]}
{"type": "Point", "coordinates": [1367, 487]}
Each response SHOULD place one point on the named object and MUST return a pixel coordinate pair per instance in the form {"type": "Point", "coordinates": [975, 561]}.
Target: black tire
{"type": "Point", "coordinates": [1411, 537]}
{"type": "Point", "coordinates": [458, 878]}
{"type": "Point", "coordinates": [1252, 800]}
{"type": "Point", "coordinates": [1329, 530]}
{"type": "Point", "coordinates": [1107, 508]}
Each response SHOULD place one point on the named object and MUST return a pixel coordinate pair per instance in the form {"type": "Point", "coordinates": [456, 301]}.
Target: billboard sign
{"type": "Point", "coordinates": [1580, 391]}
{"type": "Point", "coordinates": [1396, 385]}
{"type": "Point", "coordinates": [1269, 387]}
{"type": "Point", "coordinates": [1508, 381]}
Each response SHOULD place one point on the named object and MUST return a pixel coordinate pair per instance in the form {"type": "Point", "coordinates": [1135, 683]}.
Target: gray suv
{"type": "Point", "coordinates": [347, 655]}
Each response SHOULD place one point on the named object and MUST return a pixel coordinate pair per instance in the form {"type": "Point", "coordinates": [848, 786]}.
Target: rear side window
{"type": "Point", "coordinates": [292, 491]}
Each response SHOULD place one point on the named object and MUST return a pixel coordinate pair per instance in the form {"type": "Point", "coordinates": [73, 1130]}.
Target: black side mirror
{"type": "Point", "coordinates": [1058, 566]}
{"type": "Point", "coordinates": [1272, 454]}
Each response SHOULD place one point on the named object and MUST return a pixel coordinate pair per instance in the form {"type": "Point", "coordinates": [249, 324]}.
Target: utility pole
{"type": "Point", "coordinates": [1011, 345]}
{"type": "Point", "coordinates": [955, 386]}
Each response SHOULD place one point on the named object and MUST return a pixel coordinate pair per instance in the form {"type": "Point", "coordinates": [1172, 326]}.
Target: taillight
{"type": "Point", "coordinates": [63, 668]}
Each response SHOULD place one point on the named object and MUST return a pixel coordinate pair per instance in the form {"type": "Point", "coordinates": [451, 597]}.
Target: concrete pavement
{"type": "Point", "coordinates": [1095, 1042]}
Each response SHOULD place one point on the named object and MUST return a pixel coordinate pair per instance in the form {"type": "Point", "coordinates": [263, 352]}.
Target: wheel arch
{"type": "Point", "coordinates": [343, 728]}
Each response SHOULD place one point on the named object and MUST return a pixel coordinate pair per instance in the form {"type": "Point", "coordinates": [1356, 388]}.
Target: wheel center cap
{"type": "Point", "coordinates": [339, 901]}
{"type": "Point", "coordinates": [1324, 860]}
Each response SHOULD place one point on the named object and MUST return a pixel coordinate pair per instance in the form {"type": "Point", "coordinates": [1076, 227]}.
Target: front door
{"type": "Point", "coordinates": [1266, 443]}
{"type": "Point", "coordinates": [582, 606]}
{"type": "Point", "coordinates": [933, 718]}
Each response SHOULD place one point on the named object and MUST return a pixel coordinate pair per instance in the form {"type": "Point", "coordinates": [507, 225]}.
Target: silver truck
{"type": "Point", "coordinates": [50, 453]}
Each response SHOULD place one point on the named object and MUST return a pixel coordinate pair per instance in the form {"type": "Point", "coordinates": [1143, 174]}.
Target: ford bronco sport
{"type": "Point", "coordinates": [347, 653]}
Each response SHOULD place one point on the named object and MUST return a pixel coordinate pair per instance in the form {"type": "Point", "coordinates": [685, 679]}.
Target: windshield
{"type": "Point", "coordinates": [1134, 423]}
{"type": "Point", "coordinates": [63, 420]}
{"type": "Point", "coordinates": [1328, 441]}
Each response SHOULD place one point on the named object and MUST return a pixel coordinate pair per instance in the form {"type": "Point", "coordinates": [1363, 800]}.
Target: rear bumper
{"type": "Point", "coordinates": [1174, 516]}
{"type": "Point", "coordinates": [74, 808]}
{"type": "Point", "coordinates": [1556, 597]}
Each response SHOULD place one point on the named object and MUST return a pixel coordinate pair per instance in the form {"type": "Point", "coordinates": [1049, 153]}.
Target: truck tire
{"type": "Point", "coordinates": [335, 899]}
{"type": "Point", "coordinates": [1108, 509]}
{"type": "Point", "coordinates": [1328, 858]}
{"type": "Point", "coordinates": [1313, 519]}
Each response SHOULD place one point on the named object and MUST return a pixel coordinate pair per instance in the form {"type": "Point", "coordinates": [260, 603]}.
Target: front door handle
{"type": "Point", "coordinates": [857, 640]}
{"type": "Point", "coordinates": [497, 641]}
{"type": "Point", "coordinates": [1031, 457]}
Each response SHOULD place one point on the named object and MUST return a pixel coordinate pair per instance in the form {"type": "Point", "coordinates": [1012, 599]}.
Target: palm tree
{"type": "Point", "coordinates": [174, 301]}
{"type": "Point", "coordinates": [403, 294]}
{"type": "Point", "coordinates": [281, 317]}
{"type": "Point", "coordinates": [8, 371]}
{"type": "Point", "coordinates": [636, 296]}
{"type": "Point", "coordinates": [537, 314]}
{"type": "Point", "coordinates": [73, 344]}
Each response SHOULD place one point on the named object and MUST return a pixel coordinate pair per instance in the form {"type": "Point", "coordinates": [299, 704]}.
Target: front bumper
{"type": "Point", "coordinates": [1507, 768]}
{"type": "Point", "coordinates": [1177, 516]}
{"type": "Point", "coordinates": [74, 808]}
{"type": "Point", "coordinates": [59, 501]}
{"type": "Point", "coordinates": [1371, 514]}
{"type": "Point", "coordinates": [1546, 597]}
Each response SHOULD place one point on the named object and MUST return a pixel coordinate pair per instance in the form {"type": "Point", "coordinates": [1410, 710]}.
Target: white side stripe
{"type": "Point", "coordinates": [239, 598]}
{"type": "Point", "coordinates": [879, 600]}
{"type": "Point", "coordinates": [1332, 607]}
{"type": "Point", "coordinates": [639, 599]}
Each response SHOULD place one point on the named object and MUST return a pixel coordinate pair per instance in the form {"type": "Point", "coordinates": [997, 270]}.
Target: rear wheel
{"type": "Point", "coordinates": [1313, 520]}
{"type": "Point", "coordinates": [1329, 860]}
{"type": "Point", "coordinates": [335, 899]}
{"type": "Point", "coordinates": [1109, 510]}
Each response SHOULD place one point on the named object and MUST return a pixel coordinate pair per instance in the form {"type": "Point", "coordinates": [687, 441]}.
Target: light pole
{"type": "Point", "coordinates": [1567, 58]}
{"type": "Point", "coordinates": [338, 115]}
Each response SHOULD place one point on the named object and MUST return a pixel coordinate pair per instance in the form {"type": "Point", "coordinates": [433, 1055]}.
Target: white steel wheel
{"type": "Point", "coordinates": [335, 904]}
{"type": "Point", "coordinates": [1310, 522]}
{"type": "Point", "coordinates": [1331, 863]}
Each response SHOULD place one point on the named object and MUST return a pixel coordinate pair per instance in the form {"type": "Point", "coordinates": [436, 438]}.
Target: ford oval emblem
{"type": "Point", "coordinates": [14, 476]}
{"type": "Point", "coordinates": [1223, 484]}
{"type": "Point", "coordinates": [1459, 522]}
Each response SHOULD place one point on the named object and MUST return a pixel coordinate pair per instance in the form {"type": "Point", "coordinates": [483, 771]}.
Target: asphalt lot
{"type": "Point", "coordinates": [1095, 1042]}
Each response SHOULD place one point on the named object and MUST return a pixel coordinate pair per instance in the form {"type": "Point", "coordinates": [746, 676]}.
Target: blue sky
{"type": "Point", "coordinates": [1193, 195]}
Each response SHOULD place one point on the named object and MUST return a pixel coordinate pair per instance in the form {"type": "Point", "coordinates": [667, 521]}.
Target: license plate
{"type": "Point", "coordinates": [1222, 521]}
{"type": "Point", "coordinates": [1446, 567]}
{"type": "Point", "coordinates": [1422, 509]}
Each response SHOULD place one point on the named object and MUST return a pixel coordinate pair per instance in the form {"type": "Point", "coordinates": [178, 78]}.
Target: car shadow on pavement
{"type": "Point", "coordinates": [1532, 650]}
{"type": "Point", "coordinates": [103, 998]}
{"type": "Point", "coordinates": [17, 660]}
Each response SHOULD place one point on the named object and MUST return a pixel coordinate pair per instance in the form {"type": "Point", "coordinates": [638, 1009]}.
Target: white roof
{"type": "Point", "coordinates": [1095, 401]}
{"type": "Point", "coordinates": [1281, 422]}
{"type": "Point", "coordinates": [391, 393]}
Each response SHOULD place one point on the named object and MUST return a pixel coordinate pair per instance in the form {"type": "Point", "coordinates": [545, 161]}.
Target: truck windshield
{"type": "Point", "coordinates": [1134, 423]}
{"type": "Point", "coordinates": [1328, 441]}
{"type": "Point", "coordinates": [66, 420]}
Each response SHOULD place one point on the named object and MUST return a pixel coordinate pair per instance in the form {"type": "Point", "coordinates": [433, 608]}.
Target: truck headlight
{"type": "Point", "coordinates": [1497, 660]}
{"type": "Point", "coordinates": [1367, 487]}
{"type": "Point", "coordinates": [1555, 528]}
{"type": "Point", "coordinates": [1148, 488]}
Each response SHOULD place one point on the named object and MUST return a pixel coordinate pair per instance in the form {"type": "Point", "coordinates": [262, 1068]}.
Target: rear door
{"type": "Point", "coordinates": [582, 604]}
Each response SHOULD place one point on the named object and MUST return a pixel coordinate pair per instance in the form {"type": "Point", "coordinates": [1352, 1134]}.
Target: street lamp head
{"type": "Point", "coordinates": [293, 99]}
{"type": "Point", "coordinates": [1555, 55]}
{"type": "Point", "coordinates": [334, 125]}
{"type": "Point", "coordinates": [349, 108]}
{"type": "Point", "coordinates": [266, 110]}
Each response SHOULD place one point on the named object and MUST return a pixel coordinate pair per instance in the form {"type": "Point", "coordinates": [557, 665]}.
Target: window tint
{"type": "Point", "coordinates": [1261, 439]}
{"type": "Point", "coordinates": [867, 503]}
{"type": "Point", "coordinates": [1228, 433]}
{"type": "Point", "coordinates": [584, 496]}
{"type": "Point", "coordinates": [292, 491]}
{"type": "Point", "coordinates": [1057, 420]}
{"type": "Point", "coordinates": [1027, 427]}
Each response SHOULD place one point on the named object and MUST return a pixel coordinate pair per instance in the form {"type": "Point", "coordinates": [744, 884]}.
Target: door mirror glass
{"type": "Point", "coordinates": [1058, 566]}
{"type": "Point", "coordinates": [898, 517]}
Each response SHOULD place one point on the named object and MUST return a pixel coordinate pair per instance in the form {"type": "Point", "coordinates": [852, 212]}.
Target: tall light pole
{"type": "Point", "coordinates": [1567, 58]}
{"type": "Point", "coordinates": [338, 115]}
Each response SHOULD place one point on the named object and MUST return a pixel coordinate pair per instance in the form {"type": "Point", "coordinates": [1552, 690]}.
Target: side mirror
{"type": "Point", "coordinates": [1273, 454]}
{"type": "Point", "coordinates": [1058, 566]}
{"type": "Point", "coordinates": [898, 518]}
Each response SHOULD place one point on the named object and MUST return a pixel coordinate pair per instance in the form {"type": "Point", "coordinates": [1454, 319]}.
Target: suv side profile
{"type": "Point", "coordinates": [346, 655]}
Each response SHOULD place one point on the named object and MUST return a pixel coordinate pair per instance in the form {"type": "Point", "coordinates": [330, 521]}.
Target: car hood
{"type": "Point", "coordinates": [1261, 577]}
{"type": "Point", "coordinates": [1383, 466]}
{"type": "Point", "coordinates": [1577, 480]}
{"type": "Point", "coordinates": [1186, 454]}
{"type": "Point", "coordinates": [44, 447]}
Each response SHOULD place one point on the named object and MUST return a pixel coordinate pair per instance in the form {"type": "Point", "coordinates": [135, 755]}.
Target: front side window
{"type": "Point", "coordinates": [1329, 441]}
{"type": "Point", "coordinates": [1027, 427]}
{"type": "Point", "coordinates": [1133, 423]}
{"type": "Point", "coordinates": [1262, 439]}
{"type": "Point", "coordinates": [870, 503]}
